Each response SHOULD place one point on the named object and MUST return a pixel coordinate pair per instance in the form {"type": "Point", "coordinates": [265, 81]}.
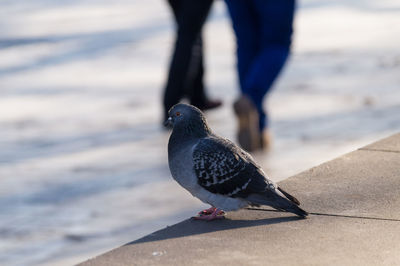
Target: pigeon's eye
{"type": "Point", "coordinates": [178, 114]}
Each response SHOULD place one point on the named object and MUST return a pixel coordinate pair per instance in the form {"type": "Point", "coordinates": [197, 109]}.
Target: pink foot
{"type": "Point", "coordinates": [207, 211]}
{"type": "Point", "coordinates": [210, 214]}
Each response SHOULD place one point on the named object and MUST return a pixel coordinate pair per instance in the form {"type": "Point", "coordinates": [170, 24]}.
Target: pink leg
{"type": "Point", "coordinates": [210, 211]}
{"type": "Point", "coordinates": [207, 211]}
{"type": "Point", "coordinates": [216, 214]}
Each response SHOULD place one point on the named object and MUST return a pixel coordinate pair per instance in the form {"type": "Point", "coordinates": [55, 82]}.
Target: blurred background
{"type": "Point", "coordinates": [83, 156]}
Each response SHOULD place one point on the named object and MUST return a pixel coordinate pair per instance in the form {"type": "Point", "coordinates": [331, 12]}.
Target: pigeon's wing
{"type": "Point", "coordinates": [223, 168]}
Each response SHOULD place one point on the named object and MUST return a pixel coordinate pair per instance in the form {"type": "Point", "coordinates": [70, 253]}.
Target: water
{"type": "Point", "coordinates": [83, 164]}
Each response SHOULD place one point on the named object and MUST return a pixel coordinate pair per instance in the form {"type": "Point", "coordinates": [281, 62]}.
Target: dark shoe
{"type": "Point", "coordinates": [208, 104]}
{"type": "Point", "coordinates": [249, 135]}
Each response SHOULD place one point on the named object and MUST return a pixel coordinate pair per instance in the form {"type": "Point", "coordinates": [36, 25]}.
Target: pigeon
{"type": "Point", "coordinates": [217, 171]}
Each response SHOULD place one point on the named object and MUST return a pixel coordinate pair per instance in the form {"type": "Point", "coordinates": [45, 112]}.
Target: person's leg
{"type": "Point", "coordinates": [190, 19]}
{"type": "Point", "coordinates": [195, 88]}
{"type": "Point", "coordinates": [245, 25]}
{"type": "Point", "coordinates": [172, 95]}
{"type": "Point", "coordinates": [275, 18]}
{"type": "Point", "coordinates": [194, 84]}
{"type": "Point", "coordinates": [242, 14]}
{"type": "Point", "coordinates": [175, 7]}
{"type": "Point", "coordinates": [246, 31]}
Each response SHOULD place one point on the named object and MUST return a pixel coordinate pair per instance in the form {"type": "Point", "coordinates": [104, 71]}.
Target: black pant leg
{"type": "Point", "coordinates": [191, 16]}
{"type": "Point", "coordinates": [195, 89]}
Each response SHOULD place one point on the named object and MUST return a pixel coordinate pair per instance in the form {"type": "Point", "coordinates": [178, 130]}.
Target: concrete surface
{"type": "Point", "coordinates": [355, 220]}
{"type": "Point", "coordinates": [83, 158]}
{"type": "Point", "coordinates": [388, 144]}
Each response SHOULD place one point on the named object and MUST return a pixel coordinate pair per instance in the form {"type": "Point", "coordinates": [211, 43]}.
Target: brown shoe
{"type": "Point", "coordinates": [265, 139]}
{"type": "Point", "coordinates": [249, 136]}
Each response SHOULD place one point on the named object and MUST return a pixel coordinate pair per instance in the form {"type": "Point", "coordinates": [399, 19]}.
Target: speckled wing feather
{"type": "Point", "coordinates": [223, 168]}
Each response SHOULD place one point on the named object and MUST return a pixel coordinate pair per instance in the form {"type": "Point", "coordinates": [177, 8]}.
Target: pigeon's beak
{"type": "Point", "coordinates": [168, 122]}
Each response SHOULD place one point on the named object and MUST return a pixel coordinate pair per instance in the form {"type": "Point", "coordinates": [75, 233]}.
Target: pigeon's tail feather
{"type": "Point", "coordinates": [278, 202]}
{"type": "Point", "coordinates": [290, 197]}
{"type": "Point", "coordinates": [297, 210]}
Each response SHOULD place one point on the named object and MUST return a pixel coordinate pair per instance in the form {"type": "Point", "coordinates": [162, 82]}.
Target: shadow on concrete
{"type": "Point", "coordinates": [329, 123]}
{"type": "Point", "coordinates": [363, 5]}
{"type": "Point", "coordinates": [336, 215]}
{"type": "Point", "coordinates": [87, 45]}
{"type": "Point", "coordinates": [40, 147]}
{"type": "Point", "coordinates": [195, 227]}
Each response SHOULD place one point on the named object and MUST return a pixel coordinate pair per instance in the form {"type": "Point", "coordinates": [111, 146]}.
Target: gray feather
{"type": "Point", "coordinates": [216, 170]}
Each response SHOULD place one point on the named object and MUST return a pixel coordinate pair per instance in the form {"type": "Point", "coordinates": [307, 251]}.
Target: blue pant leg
{"type": "Point", "coordinates": [242, 14]}
{"type": "Point", "coordinates": [275, 20]}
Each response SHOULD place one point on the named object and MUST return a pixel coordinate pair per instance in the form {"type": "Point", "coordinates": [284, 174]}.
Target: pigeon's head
{"type": "Point", "coordinates": [188, 120]}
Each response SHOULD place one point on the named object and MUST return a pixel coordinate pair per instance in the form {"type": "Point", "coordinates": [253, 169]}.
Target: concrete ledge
{"type": "Point", "coordinates": [354, 203]}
